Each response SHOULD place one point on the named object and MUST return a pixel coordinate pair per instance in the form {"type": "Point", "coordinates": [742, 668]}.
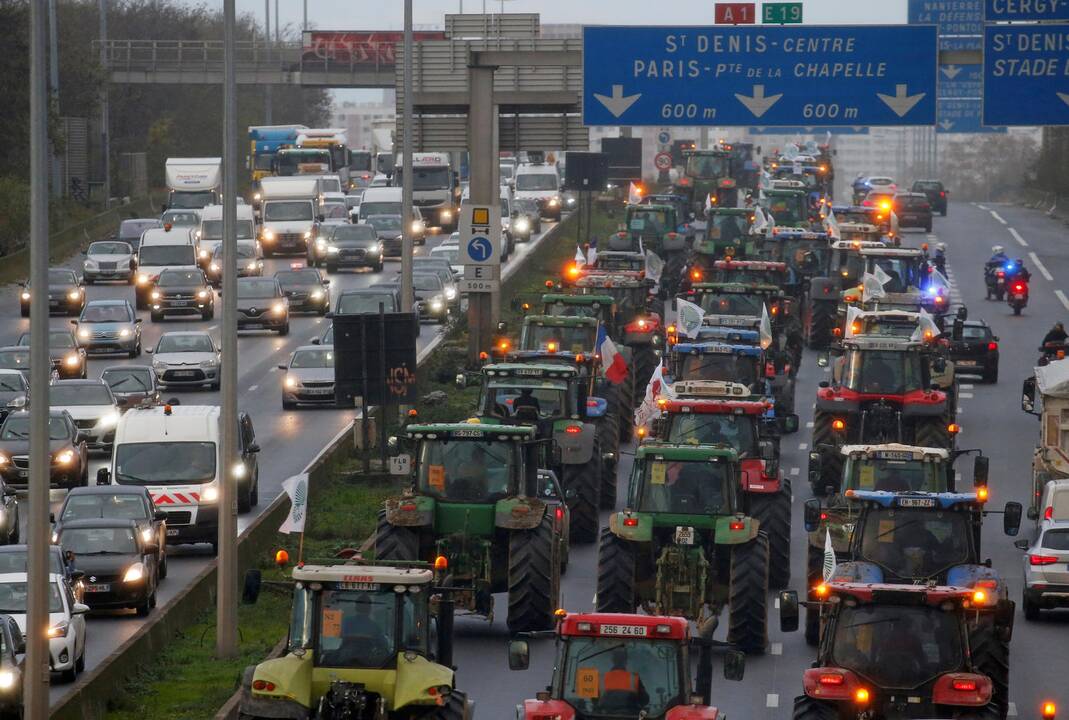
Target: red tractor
{"type": "Point", "coordinates": [611, 665]}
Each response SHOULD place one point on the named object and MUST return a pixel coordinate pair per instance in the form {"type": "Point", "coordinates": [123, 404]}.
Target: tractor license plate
{"type": "Point", "coordinates": [624, 630]}
{"type": "Point", "coordinates": [966, 363]}
{"type": "Point", "coordinates": [684, 536]}
{"type": "Point", "coordinates": [916, 502]}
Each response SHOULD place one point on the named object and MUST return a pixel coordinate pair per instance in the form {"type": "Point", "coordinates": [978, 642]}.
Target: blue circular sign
{"type": "Point", "coordinates": [480, 249]}
{"type": "Point", "coordinates": [664, 138]}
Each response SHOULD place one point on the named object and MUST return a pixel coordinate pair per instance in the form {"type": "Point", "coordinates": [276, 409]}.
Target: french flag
{"type": "Point", "coordinates": [611, 359]}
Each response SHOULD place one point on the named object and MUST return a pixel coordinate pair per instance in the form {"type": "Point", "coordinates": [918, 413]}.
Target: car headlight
{"type": "Point", "coordinates": [156, 295]}
{"type": "Point", "coordinates": [203, 294]}
{"type": "Point", "coordinates": [159, 366]}
{"type": "Point", "coordinates": [147, 534]}
{"type": "Point", "coordinates": [570, 201]}
{"type": "Point", "coordinates": [417, 226]}
{"type": "Point", "coordinates": [239, 470]}
{"type": "Point", "coordinates": [554, 201]}
{"type": "Point", "coordinates": [317, 295]}
{"type": "Point", "coordinates": [450, 293]}
{"type": "Point", "coordinates": [73, 360]}
{"type": "Point", "coordinates": [214, 267]}
{"type": "Point", "coordinates": [142, 279]}
{"type": "Point", "coordinates": [256, 197]}
{"type": "Point", "coordinates": [109, 420]}
{"type": "Point", "coordinates": [374, 250]}
{"type": "Point", "coordinates": [307, 234]}
{"type": "Point", "coordinates": [447, 214]}
{"type": "Point", "coordinates": [124, 333]}
{"type": "Point", "coordinates": [321, 242]}
{"type": "Point", "coordinates": [90, 265]}
{"type": "Point", "coordinates": [74, 294]}
{"type": "Point", "coordinates": [84, 333]}
{"type": "Point", "coordinates": [3, 460]}
{"type": "Point", "coordinates": [436, 305]}
{"type": "Point", "coordinates": [333, 249]}
{"type": "Point", "coordinates": [59, 629]}
{"type": "Point", "coordinates": [278, 308]}
{"type": "Point", "coordinates": [64, 458]}
{"type": "Point", "coordinates": [203, 254]}
{"type": "Point", "coordinates": [269, 235]}
{"type": "Point", "coordinates": [291, 382]}
{"type": "Point", "coordinates": [7, 679]}
{"type": "Point", "coordinates": [251, 265]}
{"type": "Point", "coordinates": [210, 494]}
{"type": "Point", "coordinates": [207, 364]}
{"type": "Point", "coordinates": [25, 295]}
{"type": "Point", "coordinates": [522, 225]}
{"type": "Point", "coordinates": [134, 573]}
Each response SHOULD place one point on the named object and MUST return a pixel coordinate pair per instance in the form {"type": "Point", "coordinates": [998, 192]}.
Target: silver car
{"type": "Point", "coordinates": [1046, 569]}
{"type": "Point", "coordinates": [109, 326]}
{"type": "Point", "coordinates": [309, 377]}
{"type": "Point", "coordinates": [187, 360]}
{"type": "Point", "coordinates": [92, 406]}
{"type": "Point", "coordinates": [108, 260]}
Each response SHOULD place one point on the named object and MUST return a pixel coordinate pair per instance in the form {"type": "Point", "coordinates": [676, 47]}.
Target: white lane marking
{"type": "Point", "coordinates": [1042, 268]}
{"type": "Point", "coordinates": [1011, 711]}
{"type": "Point", "coordinates": [775, 603]}
{"type": "Point", "coordinates": [776, 649]}
{"type": "Point", "coordinates": [803, 446]}
{"type": "Point", "coordinates": [966, 386]}
{"type": "Point", "coordinates": [997, 217]}
{"type": "Point", "coordinates": [1018, 238]}
{"type": "Point", "coordinates": [254, 388]}
{"type": "Point", "coordinates": [1061, 296]}
{"type": "Point", "coordinates": [809, 424]}
{"type": "Point", "coordinates": [795, 471]}
{"type": "Point", "coordinates": [772, 700]}
{"type": "Point", "coordinates": [965, 396]}
{"type": "Point", "coordinates": [982, 207]}
{"type": "Point", "coordinates": [214, 327]}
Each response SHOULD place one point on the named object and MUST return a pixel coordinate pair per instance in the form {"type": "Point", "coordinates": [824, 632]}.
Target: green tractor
{"type": "Point", "coordinates": [728, 234]}
{"type": "Point", "coordinates": [788, 204]}
{"type": "Point", "coordinates": [360, 645]}
{"type": "Point", "coordinates": [479, 507]}
{"type": "Point", "coordinates": [682, 547]}
{"type": "Point", "coordinates": [708, 175]}
{"type": "Point", "coordinates": [659, 229]}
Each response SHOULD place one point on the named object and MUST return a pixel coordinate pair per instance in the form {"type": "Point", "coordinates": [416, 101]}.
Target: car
{"type": "Point", "coordinates": [1053, 506]}
{"type": "Point", "coordinates": [1046, 569]}
{"type": "Point", "coordinates": [444, 271]}
{"type": "Point", "coordinates": [262, 306]}
{"type": "Point", "coordinates": [15, 357]}
{"type": "Point", "coordinates": [93, 408]}
{"type": "Point", "coordinates": [131, 230]}
{"type": "Point", "coordinates": [109, 260]}
{"type": "Point", "coordinates": [14, 391]}
{"type": "Point", "coordinates": [451, 254]}
{"type": "Point", "coordinates": [12, 652]}
{"type": "Point", "coordinates": [368, 300]}
{"type": "Point", "coordinates": [120, 565]}
{"type": "Point", "coordinates": [182, 292]}
{"type": "Point", "coordinates": [349, 246]}
{"type": "Point", "coordinates": [936, 192]}
{"type": "Point", "coordinates": [388, 230]}
{"type": "Point", "coordinates": [309, 377]}
{"type": "Point", "coordinates": [132, 385]}
{"type": "Point", "coordinates": [881, 182]}
{"type": "Point", "coordinates": [68, 360]}
{"type": "Point", "coordinates": [14, 558]}
{"type": "Point", "coordinates": [187, 360]}
{"type": "Point", "coordinates": [250, 262]}
{"type": "Point", "coordinates": [69, 466]}
{"type": "Point", "coordinates": [913, 210]}
{"type": "Point", "coordinates": [180, 218]}
{"type": "Point", "coordinates": [109, 327]}
{"type": "Point", "coordinates": [976, 352]}
{"type": "Point", "coordinates": [66, 293]}
{"type": "Point", "coordinates": [883, 198]}
{"type": "Point", "coordinates": [66, 620]}
{"type": "Point", "coordinates": [380, 180]}
{"type": "Point", "coordinates": [305, 289]}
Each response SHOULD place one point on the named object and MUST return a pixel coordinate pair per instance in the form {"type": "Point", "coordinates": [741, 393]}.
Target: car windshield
{"type": "Point", "coordinates": [99, 541]}
{"type": "Point", "coordinates": [15, 359]}
{"type": "Point", "coordinates": [185, 343]}
{"type": "Point", "coordinates": [428, 178]}
{"type": "Point", "coordinates": [62, 277]}
{"type": "Point", "coordinates": [97, 312]}
{"type": "Point", "coordinates": [164, 463]}
{"type": "Point", "coordinates": [360, 303]}
{"type": "Point", "coordinates": [289, 161]}
{"type": "Point", "coordinates": [166, 255]}
{"type": "Point", "coordinates": [922, 185]}
{"type": "Point", "coordinates": [621, 677]}
{"type": "Point", "coordinates": [62, 395]}
{"type": "Point", "coordinates": [358, 628]}
{"type": "Point", "coordinates": [450, 254]}
{"type": "Point", "coordinates": [897, 646]}
{"type": "Point", "coordinates": [888, 327]}
{"type": "Point", "coordinates": [426, 281]}
{"type": "Point", "coordinates": [134, 228]}
{"type": "Point", "coordinates": [883, 372]}
{"type": "Point", "coordinates": [579, 339]}
{"type": "Point", "coordinates": [109, 248]}
{"type": "Point", "coordinates": [505, 398]}
{"type": "Point", "coordinates": [731, 304]}
{"type": "Point", "coordinates": [298, 278]}
{"type": "Point", "coordinates": [244, 251]}
{"type": "Point", "coordinates": [127, 379]}
{"type": "Point", "coordinates": [506, 171]}
{"type": "Point", "coordinates": [466, 470]}
{"type": "Point", "coordinates": [526, 206]}
{"type": "Point", "coordinates": [17, 427]}
{"type": "Point", "coordinates": [213, 230]}
{"type": "Point", "coordinates": [973, 332]}
{"type": "Point", "coordinates": [12, 382]}
{"type": "Point", "coordinates": [287, 210]}
{"type": "Point", "coordinates": [191, 199]}
{"type": "Point", "coordinates": [354, 233]}
{"type": "Point", "coordinates": [368, 209]}
{"type": "Point", "coordinates": [179, 218]}
{"type": "Point", "coordinates": [385, 222]}
{"type": "Point", "coordinates": [180, 278]}
{"type": "Point", "coordinates": [14, 595]}
{"type": "Point", "coordinates": [537, 181]}
{"type": "Point", "coordinates": [736, 431]}
{"type": "Point", "coordinates": [788, 209]}
{"type": "Point", "coordinates": [915, 543]}
{"type": "Point", "coordinates": [688, 487]}
{"type": "Point", "coordinates": [57, 339]}
{"type": "Point", "coordinates": [719, 366]}
{"type": "Point", "coordinates": [257, 288]}
{"type": "Point", "coordinates": [14, 560]}
{"type": "Point", "coordinates": [894, 475]}
{"type": "Point", "coordinates": [318, 358]}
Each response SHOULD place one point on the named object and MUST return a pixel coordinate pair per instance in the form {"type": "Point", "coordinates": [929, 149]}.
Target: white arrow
{"type": "Point", "coordinates": [758, 104]}
{"type": "Point", "coordinates": [946, 124]}
{"type": "Point", "coordinates": [951, 71]}
{"type": "Point", "coordinates": [1064, 97]}
{"type": "Point", "coordinates": [900, 102]}
{"type": "Point", "coordinates": [617, 104]}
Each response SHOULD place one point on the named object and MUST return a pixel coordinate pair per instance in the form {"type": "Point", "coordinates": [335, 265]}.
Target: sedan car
{"type": "Point", "coordinates": [14, 390]}
{"type": "Point", "coordinates": [936, 192]}
{"type": "Point", "coordinates": [976, 351]}
{"type": "Point", "coordinates": [182, 292]}
{"type": "Point", "coordinates": [350, 246]}
{"type": "Point", "coordinates": [1046, 569]}
{"type": "Point", "coordinates": [388, 230]}
{"type": "Point", "coordinates": [880, 198]}
{"type": "Point", "coordinates": [66, 294]}
{"type": "Point", "coordinates": [66, 620]}
{"type": "Point", "coordinates": [92, 407]}
{"type": "Point", "coordinates": [119, 563]}
{"type": "Point", "coordinates": [431, 296]}
{"type": "Point", "coordinates": [913, 210]}
{"type": "Point", "coordinates": [70, 457]}
{"type": "Point", "coordinates": [14, 357]}
{"type": "Point", "coordinates": [68, 360]}
{"type": "Point", "coordinates": [305, 289]}
{"type": "Point", "coordinates": [132, 385]}
{"type": "Point", "coordinates": [262, 305]}
{"type": "Point", "coordinates": [250, 262]}
{"type": "Point", "coordinates": [309, 377]}
{"type": "Point", "coordinates": [130, 230]}
{"type": "Point", "coordinates": [187, 360]}
{"type": "Point", "coordinates": [109, 326]}
{"type": "Point", "coordinates": [109, 260]}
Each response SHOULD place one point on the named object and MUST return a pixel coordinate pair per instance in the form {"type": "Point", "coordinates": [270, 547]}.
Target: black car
{"type": "Point", "coordinates": [119, 564]}
{"type": "Point", "coordinates": [305, 289]}
{"type": "Point", "coordinates": [353, 246]}
{"type": "Point", "coordinates": [132, 385]}
{"type": "Point", "coordinates": [69, 466]}
{"type": "Point", "coordinates": [913, 210]}
{"type": "Point", "coordinates": [937, 194]}
{"type": "Point", "coordinates": [389, 231]}
{"type": "Point", "coordinates": [368, 300]}
{"type": "Point", "coordinates": [976, 351]}
{"type": "Point", "coordinates": [182, 292]}
{"type": "Point", "coordinates": [262, 305]}
{"type": "Point", "coordinates": [118, 502]}
{"type": "Point", "coordinates": [14, 391]}
{"type": "Point", "coordinates": [66, 293]}
{"type": "Point", "coordinates": [68, 358]}
{"type": "Point", "coordinates": [16, 357]}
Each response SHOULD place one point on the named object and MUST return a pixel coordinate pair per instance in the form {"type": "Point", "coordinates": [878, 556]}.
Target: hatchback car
{"type": "Point", "coordinates": [913, 210]}
{"type": "Point", "coordinates": [305, 289]}
{"type": "Point", "coordinates": [130, 230]}
{"type": "Point", "coordinates": [440, 267]}
{"type": "Point", "coordinates": [14, 391]}
{"type": "Point", "coordinates": [250, 262]}
{"type": "Point", "coordinates": [187, 360]}
{"type": "Point", "coordinates": [68, 360]}
{"type": "Point", "coordinates": [388, 230]}
{"type": "Point", "coordinates": [108, 260]}
{"type": "Point", "coordinates": [119, 563]}
{"type": "Point", "coordinates": [14, 357]}
{"type": "Point", "coordinates": [12, 650]}
{"type": "Point", "coordinates": [92, 407]}
{"type": "Point", "coordinates": [1046, 569]}
{"type": "Point", "coordinates": [69, 466]}
{"type": "Point", "coordinates": [936, 192]}
{"type": "Point", "coordinates": [182, 292]}
{"type": "Point", "coordinates": [66, 293]}
{"type": "Point", "coordinates": [262, 305]}
{"type": "Point", "coordinates": [109, 326]}
{"type": "Point", "coordinates": [309, 377]}
{"type": "Point", "coordinates": [431, 296]}
{"type": "Point", "coordinates": [350, 246]}
{"type": "Point", "coordinates": [132, 385]}
{"type": "Point", "coordinates": [66, 620]}
{"type": "Point", "coordinates": [976, 352]}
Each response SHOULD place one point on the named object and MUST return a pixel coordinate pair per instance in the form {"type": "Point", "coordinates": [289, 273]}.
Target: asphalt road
{"type": "Point", "coordinates": [991, 420]}
{"type": "Point", "coordinates": [289, 439]}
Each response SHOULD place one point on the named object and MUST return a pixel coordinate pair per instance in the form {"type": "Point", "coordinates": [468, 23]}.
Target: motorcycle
{"type": "Point", "coordinates": [995, 280]}
{"type": "Point", "coordinates": [1017, 295]}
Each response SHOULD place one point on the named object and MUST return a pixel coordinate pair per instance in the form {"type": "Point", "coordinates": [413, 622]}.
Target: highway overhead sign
{"type": "Point", "coordinates": [729, 76]}
{"type": "Point", "coordinates": [952, 17]}
{"type": "Point", "coordinates": [961, 81]}
{"type": "Point", "coordinates": [1024, 10]}
{"type": "Point", "coordinates": [961, 116]}
{"type": "Point", "coordinates": [1026, 74]}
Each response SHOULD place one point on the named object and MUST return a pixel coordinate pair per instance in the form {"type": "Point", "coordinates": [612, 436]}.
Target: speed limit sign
{"type": "Point", "coordinates": [663, 161]}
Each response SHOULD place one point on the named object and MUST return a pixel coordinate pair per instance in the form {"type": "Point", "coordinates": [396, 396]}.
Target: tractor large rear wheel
{"type": "Point", "coordinates": [393, 542]}
{"type": "Point", "coordinates": [831, 464]}
{"type": "Point", "coordinates": [534, 577]}
{"type": "Point", "coordinates": [821, 321]}
{"type": "Point", "coordinates": [806, 708]}
{"type": "Point", "coordinates": [646, 361]}
{"type": "Point", "coordinates": [616, 575]}
{"type": "Point", "coordinates": [585, 482]}
{"type": "Point", "coordinates": [932, 432]}
{"type": "Point", "coordinates": [773, 510]}
{"type": "Point", "coordinates": [748, 596]}
{"type": "Point", "coordinates": [991, 657]}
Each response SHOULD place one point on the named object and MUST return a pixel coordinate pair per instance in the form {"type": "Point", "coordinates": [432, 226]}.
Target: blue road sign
{"type": "Point", "coordinates": [961, 81]}
{"type": "Point", "coordinates": [664, 137]}
{"type": "Point", "coordinates": [962, 116]}
{"type": "Point", "coordinates": [729, 76]}
{"type": "Point", "coordinates": [480, 248]}
{"type": "Point", "coordinates": [1026, 75]}
{"type": "Point", "coordinates": [952, 17]}
{"type": "Point", "coordinates": [1018, 10]}
{"type": "Point", "coordinates": [961, 42]}
{"type": "Point", "coordinates": [809, 130]}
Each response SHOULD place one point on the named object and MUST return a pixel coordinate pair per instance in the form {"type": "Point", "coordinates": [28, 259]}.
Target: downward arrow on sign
{"type": "Point", "coordinates": [1064, 97]}
{"type": "Point", "coordinates": [900, 102]}
{"type": "Point", "coordinates": [951, 71]}
{"type": "Point", "coordinates": [946, 124]}
{"type": "Point", "coordinates": [617, 104]}
{"type": "Point", "coordinates": [758, 104]}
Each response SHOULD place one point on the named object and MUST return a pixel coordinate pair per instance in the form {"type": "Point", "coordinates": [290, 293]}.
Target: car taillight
{"type": "Point", "coordinates": [1042, 559]}
{"type": "Point", "coordinates": [263, 685]}
{"type": "Point", "coordinates": [965, 685]}
{"type": "Point", "coordinates": [942, 194]}
{"type": "Point", "coordinates": [1048, 513]}
{"type": "Point", "coordinates": [992, 346]}
{"type": "Point", "coordinates": [573, 429]}
{"type": "Point", "coordinates": [1001, 274]}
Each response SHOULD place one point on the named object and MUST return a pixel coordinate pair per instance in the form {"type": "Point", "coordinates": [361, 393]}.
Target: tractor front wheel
{"type": "Point", "coordinates": [534, 577]}
{"type": "Point", "coordinates": [773, 510]}
{"type": "Point", "coordinates": [585, 481]}
{"type": "Point", "coordinates": [831, 464]}
{"type": "Point", "coordinates": [393, 542]}
{"type": "Point", "coordinates": [932, 432]}
{"type": "Point", "coordinates": [806, 708]}
{"type": "Point", "coordinates": [616, 575]}
{"type": "Point", "coordinates": [748, 596]}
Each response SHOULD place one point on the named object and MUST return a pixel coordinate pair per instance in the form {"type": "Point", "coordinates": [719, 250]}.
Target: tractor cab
{"type": "Point", "coordinates": [728, 233]}
{"type": "Point", "coordinates": [788, 203]}
{"type": "Point", "coordinates": [655, 227]}
{"type": "Point", "coordinates": [748, 272]}
{"type": "Point", "coordinates": [708, 176]}
{"type": "Point", "coordinates": [857, 222]}
{"type": "Point", "coordinates": [719, 361]}
{"type": "Point", "coordinates": [553, 334]}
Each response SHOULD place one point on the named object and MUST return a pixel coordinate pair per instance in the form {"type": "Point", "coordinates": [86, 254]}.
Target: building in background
{"type": "Point", "coordinates": [361, 118]}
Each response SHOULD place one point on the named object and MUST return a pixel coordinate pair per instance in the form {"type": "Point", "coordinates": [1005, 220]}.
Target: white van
{"type": "Point", "coordinates": [1054, 506]}
{"type": "Point", "coordinates": [160, 250]}
{"type": "Point", "coordinates": [289, 211]}
{"type": "Point", "coordinates": [387, 201]}
{"type": "Point", "coordinates": [209, 233]}
{"type": "Point", "coordinates": [542, 184]}
{"type": "Point", "coordinates": [176, 452]}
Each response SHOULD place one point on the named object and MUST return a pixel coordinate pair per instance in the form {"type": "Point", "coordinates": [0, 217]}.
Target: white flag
{"type": "Point", "coordinates": [297, 488]}
{"type": "Point", "coordinates": [654, 267]}
{"type": "Point", "coordinates": [688, 318]}
{"type": "Point", "coordinates": [852, 313]}
{"type": "Point", "coordinates": [881, 276]}
{"type": "Point", "coordinates": [765, 328]}
{"type": "Point", "coordinates": [926, 328]}
{"type": "Point", "coordinates": [832, 225]}
{"type": "Point", "coordinates": [708, 203]}
{"type": "Point", "coordinates": [938, 284]}
{"type": "Point", "coordinates": [760, 221]}
{"type": "Point", "coordinates": [634, 194]}
{"type": "Point", "coordinates": [871, 288]}
{"type": "Point", "coordinates": [655, 388]}
{"type": "Point", "coordinates": [580, 258]}
{"type": "Point", "coordinates": [829, 556]}
{"type": "Point", "coordinates": [592, 253]}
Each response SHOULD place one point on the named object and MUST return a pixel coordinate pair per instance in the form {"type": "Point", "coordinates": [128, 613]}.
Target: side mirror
{"type": "Point", "coordinates": [250, 590]}
{"type": "Point", "coordinates": [1021, 544]}
{"type": "Point", "coordinates": [734, 665]}
{"type": "Point", "coordinates": [980, 466]}
{"type": "Point", "coordinates": [51, 515]}
{"type": "Point", "coordinates": [1028, 396]}
{"type": "Point", "coordinates": [283, 368]}
{"type": "Point", "coordinates": [461, 380]}
{"type": "Point", "coordinates": [103, 476]}
{"type": "Point", "coordinates": [79, 609]}
{"type": "Point", "coordinates": [502, 327]}
{"type": "Point", "coordinates": [822, 361]}
{"type": "Point", "coordinates": [1032, 514]}
{"type": "Point", "coordinates": [159, 515]}
{"type": "Point", "coordinates": [137, 321]}
{"type": "Point", "coordinates": [74, 323]}
{"type": "Point", "coordinates": [393, 444]}
{"type": "Point", "coordinates": [519, 654]}
{"type": "Point", "coordinates": [811, 514]}
{"type": "Point", "coordinates": [790, 423]}
{"type": "Point", "coordinates": [316, 341]}
{"type": "Point", "coordinates": [252, 449]}
{"type": "Point", "coordinates": [788, 610]}
{"type": "Point", "coordinates": [1011, 518]}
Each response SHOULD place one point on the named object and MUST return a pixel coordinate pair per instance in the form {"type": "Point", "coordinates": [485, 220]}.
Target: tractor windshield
{"type": "Point", "coordinates": [888, 327]}
{"type": "Point", "coordinates": [367, 628]}
{"type": "Point", "coordinates": [650, 222]}
{"type": "Point", "coordinates": [804, 256]}
{"type": "Point", "coordinates": [746, 276]}
{"type": "Point", "coordinates": [915, 543]}
{"type": "Point", "coordinates": [687, 487]}
{"type": "Point", "coordinates": [558, 338]}
{"type": "Point", "coordinates": [736, 431]}
{"type": "Point", "coordinates": [507, 398]}
{"type": "Point", "coordinates": [789, 209]}
{"type": "Point", "coordinates": [719, 366]}
{"type": "Point", "coordinates": [732, 304]}
{"type": "Point", "coordinates": [563, 309]}
{"type": "Point", "coordinates": [620, 261]}
{"type": "Point", "coordinates": [728, 228]}
{"type": "Point", "coordinates": [474, 471]}
{"type": "Point", "coordinates": [896, 646]}
{"type": "Point", "coordinates": [895, 475]}
{"type": "Point", "coordinates": [708, 166]}
{"type": "Point", "coordinates": [902, 272]}
{"type": "Point", "coordinates": [883, 372]}
{"type": "Point", "coordinates": [621, 677]}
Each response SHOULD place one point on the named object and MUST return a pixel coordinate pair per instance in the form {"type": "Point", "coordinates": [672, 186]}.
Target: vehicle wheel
{"type": "Point", "coordinates": [814, 576]}
{"type": "Point", "coordinates": [323, 311]}
{"type": "Point", "coordinates": [928, 227]}
{"type": "Point", "coordinates": [992, 377]}
{"type": "Point", "coordinates": [152, 598]}
{"type": "Point", "coordinates": [585, 481]}
{"type": "Point", "coordinates": [79, 664]}
{"type": "Point", "coordinates": [1017, 309]}
{"type": "Point", "coordinates": [1031, 609]}
{"type": "Point", "coordinates": [774, 513]}
{"type": "Point", "coordinates": [646, 361]}
{"type": "Point", "coordinates": [456, 707]}
{"type": "Point", "coordinates": [393, 542]}
{"type": "Point", "coordinates": [289, 405]}
{"type": "Point", "coordinates": [932, 432]}
{"type": "Point", "coordinates": [748, 596]}
{"type": "Point", "coordinates": [155, 316]}
{"type": "Point", "coordinates": [215, 386]}
{"type": "Point", "coordinates": [24, 311]}
{"type": "Point", "coordinates": [1000, 295]}
{"type": "Point", "coordinates": [210, 314]}
{"type": "Point", "coordinates": [991, 657]}
{"type": "Point", "coordinates": [534, 577]}
{"type": "Point", "coordinates": [616, 575]}
{"type": "Point", "coordinates": [245, 499]}
{"type": "Point", "coordinates": [377, 268]}
{"type": "Point", "coordinates": [831, 465]}
{"type": "Point", "coordinates": [806, 708]}
{"type": "Point", "coordinates": [69, 676]}
{"type": "Point", "coordinates": [284, 330]}
{"type": "Point", "coordinates": [822, 320]}
{"type": "Point", "coordinates": [145, 608]}
{"type": "Point", "coordinates": [254, 494]}
{"type": "Point", "coordinates": [136, 352]}
{"type": "Point", "coordinates": [943, 212]}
